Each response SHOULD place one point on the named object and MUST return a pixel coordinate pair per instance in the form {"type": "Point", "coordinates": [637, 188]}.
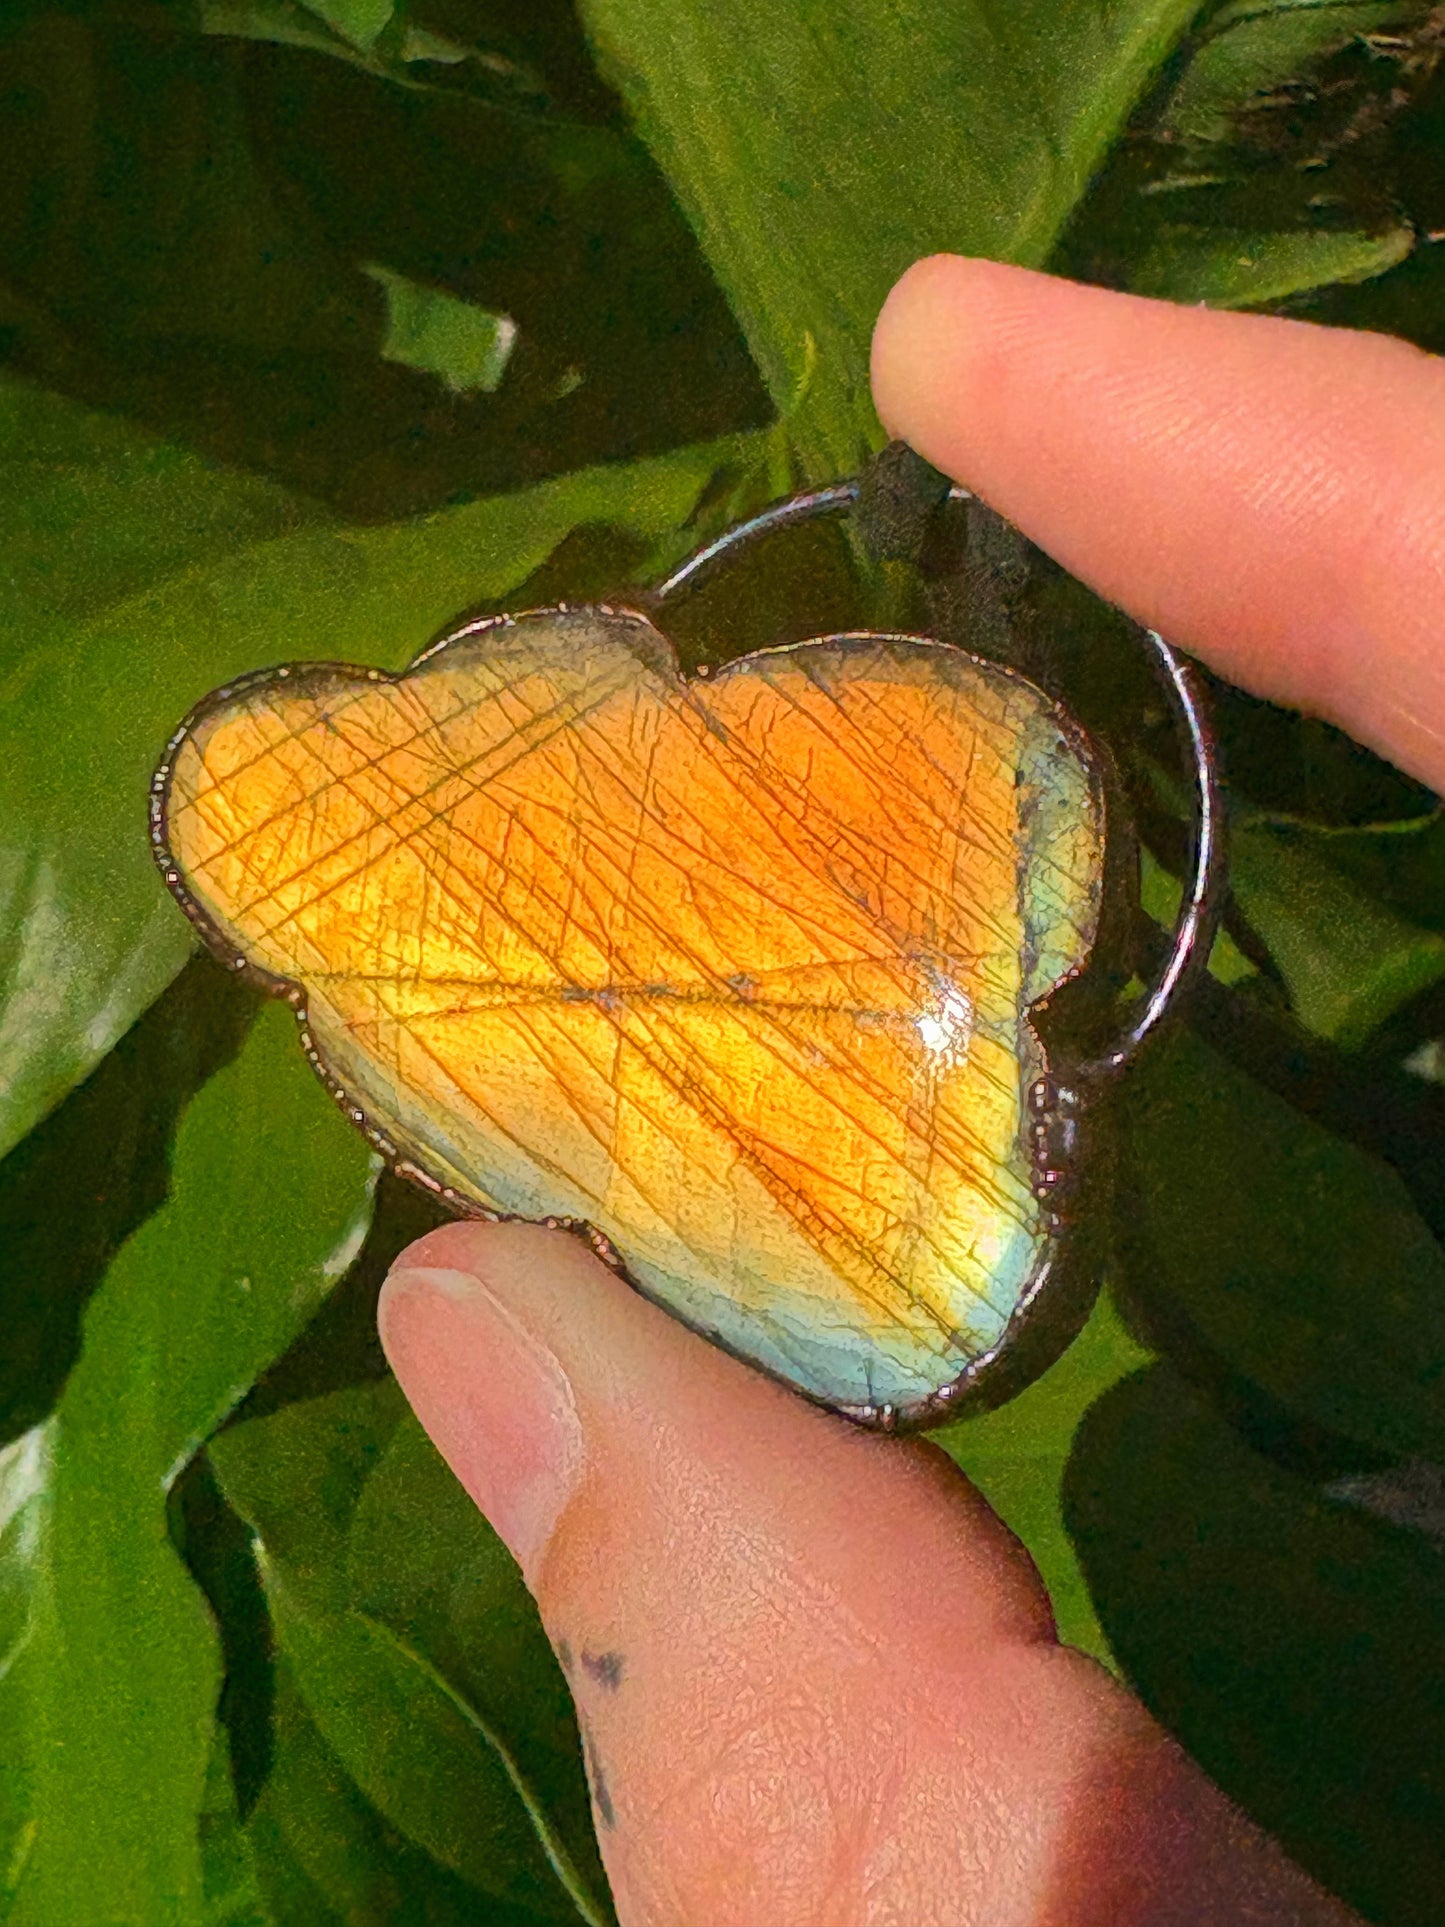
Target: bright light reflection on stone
{"type": "Point", "coordinates": [947, 1030]}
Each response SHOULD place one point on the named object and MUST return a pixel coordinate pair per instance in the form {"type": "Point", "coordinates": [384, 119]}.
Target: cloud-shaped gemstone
{"type": "Point", "coordinates": [738, 971]}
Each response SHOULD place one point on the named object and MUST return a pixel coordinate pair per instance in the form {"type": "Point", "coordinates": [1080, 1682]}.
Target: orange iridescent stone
{"type": "Point", "coordinates": [738, 971]}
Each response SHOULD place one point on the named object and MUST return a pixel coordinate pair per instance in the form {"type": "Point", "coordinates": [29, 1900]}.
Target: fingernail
{"type": "Point", "coordinates": [494, 1400]}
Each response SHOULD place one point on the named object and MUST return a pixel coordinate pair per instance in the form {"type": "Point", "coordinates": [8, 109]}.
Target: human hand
{"type": "Point", "coordinates": [817, 1678]}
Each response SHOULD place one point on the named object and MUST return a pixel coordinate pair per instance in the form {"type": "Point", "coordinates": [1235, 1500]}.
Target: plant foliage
{"type": "Point", "coordinates": [322, 320]}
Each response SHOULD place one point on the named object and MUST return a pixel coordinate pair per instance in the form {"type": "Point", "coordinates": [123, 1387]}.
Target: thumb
{"type": "Point", "coordinates": [817, 1679]}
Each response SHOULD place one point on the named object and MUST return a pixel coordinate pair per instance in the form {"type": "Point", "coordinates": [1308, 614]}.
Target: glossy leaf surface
{"type": "Point", "coordinates": [1294, 1256]}
{"type": "Point", "coordinates": [112, 1694]}
{"type": "Point", "coordinates": [387, 1654]}
{"type": "Point", "coordinates": [818, 159]}
{"type": "Point", "coordinates": [1017, 1457]}
{"type": "Point", "coordinates": [1251, 1611]}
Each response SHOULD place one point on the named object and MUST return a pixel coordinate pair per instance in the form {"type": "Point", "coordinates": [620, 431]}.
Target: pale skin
{"type": "Point", "coordinates": [819, 1679]}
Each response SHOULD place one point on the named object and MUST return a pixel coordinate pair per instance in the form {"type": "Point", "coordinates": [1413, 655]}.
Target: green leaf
{"type": "Point", "coordinates": [93, 510]}
{"type": "Point", "coordinates": [1291, 1644]}
{"type": "Point", "coordinates": [1295, 1258]}
{"type": "Point", "coordinates": [454, 1726]}
{"type": "Point", "coordinates": [323, 1852]}
{"type": "Point", "coordinates": [230, 1893]}
{"type": "Point", "coordinates": [91, 937]}
{"type": "Point", "coordinates": [1228, 268]}
{"type": "Point", "coordinates": [466, 347]}
{"type": "Point", "coordinates": [818, 153]}
{"type": "Point", "coordinates": [1252, 47]}
{"type": "Point", "coordinates": [401, 51]}
{"type": "Point", "coordinates": [91, 513]}
{"type": "Point", "coordinates": [359, 21]}
{"type": "Point", "coordinates": [106, 1151]}
{"type": "Point", "coordinates": [425, 1563]}
{"type": "Point", "coordinates": [210, 283]}
{"type": "Point", "coordinates": [191, 245]}
{"type": "Point", "coordinates": [1250, 177]}
{"type": "Point", "coordinates": [1016, 1457]}
{"type": "Point", "coordinates": [110, 1701]}
{"type": "Point", "coordinates": [25, 1467]}
{"type": "Point", "coordinates": [1348, 960]}
{"type": "Point", "coordinates": [1400, 865]}
{"type": "Point", "coordinates": [296, 1476]}
{"type": "Point", "coordinates": [1160, 895]}
{"type": "Point", "coordinates": [424, 1758]}
{"type": "Point", "coordinates": [281, 23]}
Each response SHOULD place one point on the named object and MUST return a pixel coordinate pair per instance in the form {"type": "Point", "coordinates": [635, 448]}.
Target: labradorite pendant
{"type": "Point", "coordinates": [741, 974]}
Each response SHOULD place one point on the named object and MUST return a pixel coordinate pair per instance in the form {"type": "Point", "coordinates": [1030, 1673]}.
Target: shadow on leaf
{"type": "Point", "coordinates": [76, 1188]}
{"type": "Point", "coordinates": [1289, 1643]}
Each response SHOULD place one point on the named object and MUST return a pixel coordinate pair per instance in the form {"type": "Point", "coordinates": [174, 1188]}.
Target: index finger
{"type": "Point", "coordinates": [1269, 494]}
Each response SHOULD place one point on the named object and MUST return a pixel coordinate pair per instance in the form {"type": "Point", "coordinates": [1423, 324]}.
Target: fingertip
{"type": "Point", "coordinates": [1266, 492]}
{"type": "Point", "coordinates": [945, 334]}
{"type": "Point", "coordinates": [931, 297]}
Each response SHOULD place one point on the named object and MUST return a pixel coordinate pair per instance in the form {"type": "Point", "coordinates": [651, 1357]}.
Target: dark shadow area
{"type": "Point", "coordinates": [216, 1546]}
{"type": "Point", "coordinates": [788, 587]}
{"type": "Point", "coordinates": [1348, 142]}
{"type": "Point", "coordinates": [1291, 1644]}
{"type": "Point", "coordinates": [1365, 1096]}
{"type": "Point", "coordinates": [1292, 1256]}
{"type": "Point", "coordinates": [91, 1173]}
{"type": "Point", "coordinates": [594, 563]}
{"type": "Point", "coordinates": [187, 220]}
{"type": "Point", "coordinates": [339, 1347]}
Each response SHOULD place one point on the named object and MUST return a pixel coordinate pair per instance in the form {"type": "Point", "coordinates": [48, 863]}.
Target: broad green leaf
{"type": "Point", "coordinates": [292, 1899]}
{"type": "Point", "coordinates": [91, 514]}
{"type": "Point", "coordinates": [323, 1852]}
{"type": "Point", "coordinates": [1016, 1457]}
{"type": "Point", "coordinates": [25, 1468]}
{"type": "Point", "coordinates": [111, 1700]}
{"type": "Point", "coordinates": [1348, 960]}
{"type": "Point", "coordinates": [1228, 268]}
{"type": "Point", "coordinates": [282, 23]}
{"type": "Point", "coordinates": [424, 1758]}
{"type": "Point", "coordinates": [177, 243]}
{"type": "Point", "coordinates": [1291, 1644]}
{"type": "Point", "coordinates": [1294, 1257]}
{"type": "Point", "coordinates": [1399, 865]}
{"type": "Point", "coordinates": [295, 1477]}
{"type": "Point", "coordinates": [478, 1778]}
{"type": "Point", "coordinates": [211, 281]}
{"type": "Point", "coordinates": [819, 152]}
{"type": "Point", "coordinates": [93, 510]}
{"type": "Point", "coordinates": [91, 936]}
{"type": "Point", "coordinates": [106, 1151]}
{"type": "Point", "coordinates": [466, 347]}
{"type": "Point", "coordinates": [307, 1833]}
{"type": "Point", "coordinates": [1218, 195]}
{"type": "Point", "coordinates": [424, 1562]}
